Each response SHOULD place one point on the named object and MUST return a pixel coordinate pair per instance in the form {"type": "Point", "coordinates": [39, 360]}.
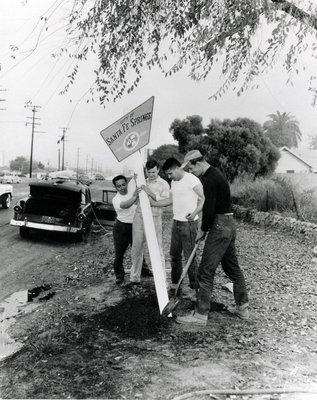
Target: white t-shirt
{"type": "Point", "coordinates": [125, 215]}
{"type": "Point", "coordinates": [184, 197]}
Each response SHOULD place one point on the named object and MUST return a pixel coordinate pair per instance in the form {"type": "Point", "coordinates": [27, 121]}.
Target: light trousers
{"type": "Point", "coordinates": [139, 248]}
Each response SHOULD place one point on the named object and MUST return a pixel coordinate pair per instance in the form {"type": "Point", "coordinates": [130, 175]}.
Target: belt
{"type": "Point", "coordinates": [184, 222]}
{"type": "Point", "coordinates": [225, 215]}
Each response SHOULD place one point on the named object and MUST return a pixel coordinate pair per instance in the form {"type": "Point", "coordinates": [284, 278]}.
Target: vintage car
{"type": "Point", "coordinates": [10, 177]}
{"type": "Point", "coordinates": [6, 195]}
{"type": "Point", "coordinates": [56, 205]}
{"type": "Point", "coordinates": [104, 211]}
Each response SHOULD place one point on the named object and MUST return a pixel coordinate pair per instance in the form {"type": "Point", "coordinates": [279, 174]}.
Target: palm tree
{"type": "Point", "coordinates": [283, 129]}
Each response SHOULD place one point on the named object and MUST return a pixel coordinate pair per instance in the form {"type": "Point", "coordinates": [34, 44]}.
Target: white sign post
{"type": "Point", "coordinates": [125, 137]}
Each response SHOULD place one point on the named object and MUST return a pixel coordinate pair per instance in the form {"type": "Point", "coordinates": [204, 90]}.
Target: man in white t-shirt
{"type": "Point", "coordinates": [187, 197]}
{"type": "Point", "coordinates": [124, 203]}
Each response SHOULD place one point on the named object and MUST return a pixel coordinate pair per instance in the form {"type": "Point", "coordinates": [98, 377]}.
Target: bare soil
{"type": "Point", "coordinates": [93, 339]}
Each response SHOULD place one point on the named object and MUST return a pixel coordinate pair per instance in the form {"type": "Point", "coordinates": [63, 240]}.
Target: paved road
{"type": "Point", "coordinates": [18, 254]}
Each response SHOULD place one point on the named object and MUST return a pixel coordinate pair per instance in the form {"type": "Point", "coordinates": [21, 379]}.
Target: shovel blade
{"type": "Point", "coordinates": [170, 306]}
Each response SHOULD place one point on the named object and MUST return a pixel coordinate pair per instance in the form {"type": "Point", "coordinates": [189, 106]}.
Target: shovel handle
{"type": "Point", "coordinates": [189, 261]}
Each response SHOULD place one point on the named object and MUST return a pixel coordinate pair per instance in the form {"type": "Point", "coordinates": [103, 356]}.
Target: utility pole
{"type": "Point", "coordinates": [59, 158]}
{"type": "Point", "coordinates": [63, 152]}
{"type": "Point", "coordinates": [33, 123]}
{"type": "Point", "coordinates": [92, 164]}
{"type": "Point", "coordinates": [86, 163]}
{"type": "Point", "coordinates": [77, 162]}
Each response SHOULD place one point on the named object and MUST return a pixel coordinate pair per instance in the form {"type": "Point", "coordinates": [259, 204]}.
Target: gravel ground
{"type": "Point", "coordinates": [93, 339]}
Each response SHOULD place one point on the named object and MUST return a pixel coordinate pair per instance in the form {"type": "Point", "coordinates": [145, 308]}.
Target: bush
{"type": "Point", "coordinates": [275, 194]}
{"type": "Point", "coordinates": [264, 194]}
{"type": "Point", "coordinates": [308, 205]}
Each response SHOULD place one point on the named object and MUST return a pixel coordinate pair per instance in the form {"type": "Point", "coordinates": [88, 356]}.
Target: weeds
{"type": "Point", "coordinates": [277, 194]}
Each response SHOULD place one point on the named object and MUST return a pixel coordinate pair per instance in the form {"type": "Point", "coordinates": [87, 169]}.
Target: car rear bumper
{"type": "Point", "coordinates": [45, 227]}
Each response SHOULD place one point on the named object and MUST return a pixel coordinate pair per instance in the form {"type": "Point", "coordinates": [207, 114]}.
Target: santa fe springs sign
{"type": "Point", "coordinates": [131, 132]}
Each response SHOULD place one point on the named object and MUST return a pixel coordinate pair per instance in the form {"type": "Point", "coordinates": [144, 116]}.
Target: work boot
{"type": "Point", "coordinates": [241, 311]}
{"type": "Point", "coordinates": [193, 319]}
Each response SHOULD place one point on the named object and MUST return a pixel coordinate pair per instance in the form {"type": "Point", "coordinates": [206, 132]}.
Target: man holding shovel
{"type": "Point", "coordinates": [187, 198]}
{"type": "Point", "coordinates": [219, 229]}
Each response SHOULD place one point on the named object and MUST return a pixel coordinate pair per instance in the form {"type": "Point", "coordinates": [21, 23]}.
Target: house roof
{"type": "Point", "coordinates": [310, 156]}
{"type": "Point", "coordinates": [297, 156]}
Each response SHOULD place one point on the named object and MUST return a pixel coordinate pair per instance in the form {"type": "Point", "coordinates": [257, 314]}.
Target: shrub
{"type": "Point", "coordinates": [264, 194]}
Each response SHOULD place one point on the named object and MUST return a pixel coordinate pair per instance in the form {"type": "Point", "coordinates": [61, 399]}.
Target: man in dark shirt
{"type": "Point", "coordinates": [218, 227]}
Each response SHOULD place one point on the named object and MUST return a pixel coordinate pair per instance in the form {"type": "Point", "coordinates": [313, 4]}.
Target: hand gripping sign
{"type": "Point", "coordinates": [124, 138]}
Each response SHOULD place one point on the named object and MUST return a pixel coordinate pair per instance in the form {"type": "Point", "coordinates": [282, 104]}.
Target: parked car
{"type": "Point", "coordinates": [10, 177]}
{"type": "Point", "coordinates": [99, 177]}
{"type": "Point", "coordinates": [104, 211]}
{"type": "Point", "coordinates": [84, 179]}
{"type": "Point", "coordinates": [60, 206]}
{"type": "Point", "coordinates": [6, 192]}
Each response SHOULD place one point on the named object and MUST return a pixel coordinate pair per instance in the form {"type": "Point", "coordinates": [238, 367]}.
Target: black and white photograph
{"type": "Point", "coordinates": [158, 199]}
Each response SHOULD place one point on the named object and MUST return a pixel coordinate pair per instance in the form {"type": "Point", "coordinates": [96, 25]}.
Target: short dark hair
{"type": "Point", "coordinates": [152, 164]}
{"type": "Point", "coordinates": [171, 163]}
{"type": "Point", "coordinates": [117, 178]}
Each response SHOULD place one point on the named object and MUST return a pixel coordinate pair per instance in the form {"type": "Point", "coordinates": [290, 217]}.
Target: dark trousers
{"type": "Point", "coordinates": [122, 238]}
{"type": "Point", "coordinates": [183, 240]}
{"type": "Point", "coordinates": [220, 248]}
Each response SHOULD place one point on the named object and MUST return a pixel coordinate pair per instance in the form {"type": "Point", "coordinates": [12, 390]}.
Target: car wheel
{"type": "Point", "coordinates": [24, 232]}
{"type": "Point", "coordinates": [6, 201]}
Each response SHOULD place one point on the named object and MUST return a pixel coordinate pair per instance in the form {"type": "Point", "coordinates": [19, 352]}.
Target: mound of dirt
{"type": "Point", "coordinates": [134, 317]}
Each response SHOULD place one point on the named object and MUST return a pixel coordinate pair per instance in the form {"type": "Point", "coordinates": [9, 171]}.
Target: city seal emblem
{"type": "Point", "coordinates": [131, 141]}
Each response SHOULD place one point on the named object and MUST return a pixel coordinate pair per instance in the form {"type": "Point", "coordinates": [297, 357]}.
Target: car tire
{"type": "Point", "coordinates": [6, 201]}
{"type": "Point", "coordinates": [24, 232]}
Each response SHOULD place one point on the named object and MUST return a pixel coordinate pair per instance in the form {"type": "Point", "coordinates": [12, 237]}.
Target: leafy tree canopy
{"type": "Point", "coordinates": [283, 130]}
{"type": "Point", "coordinates": [313, 142]}
{"type": "Point", "coordinates": [183, 130]}
{"type": "Point", "coordinates": [130, 35]}
{"type": "Point", "coordinates": [166, 151]}
{"type": "Point", "coordinates": [22, 164]}
{"type": "Point", "coordinates": [236, 146]}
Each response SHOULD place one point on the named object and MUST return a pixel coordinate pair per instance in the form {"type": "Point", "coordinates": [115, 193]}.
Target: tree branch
{"type": "Point", "coordinates": [295, 12]}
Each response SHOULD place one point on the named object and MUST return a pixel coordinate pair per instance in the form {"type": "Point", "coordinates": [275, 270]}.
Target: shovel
{"type": "Point", "coordinates": [171, 305]}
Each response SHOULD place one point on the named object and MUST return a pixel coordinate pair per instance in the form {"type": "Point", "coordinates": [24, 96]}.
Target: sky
{"type": "Point", "coordinates": [37, 77]}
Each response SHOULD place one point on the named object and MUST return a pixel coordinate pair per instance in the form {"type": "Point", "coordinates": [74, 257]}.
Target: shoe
{"type": "Point", "coordinates": [119, 281]}
{"type": "Point", "coordinates": [241, 311]}
{"type": "Point", "coordinates": [146, 272]}
{"type": "Point", "coordinates": [193, 319]}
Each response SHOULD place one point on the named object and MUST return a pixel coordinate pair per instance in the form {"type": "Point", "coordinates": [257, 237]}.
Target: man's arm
{"type": "Point", "coordinates": [149, 192]}
{"type": "Point", "coordinates": [128, 203]}
{"type": "Point", "coordinates": [162, 203]}
{"type": "Point", "coordinates": [198, 189]}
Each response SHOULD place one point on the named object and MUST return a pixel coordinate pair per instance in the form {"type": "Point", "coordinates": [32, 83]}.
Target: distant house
{"type": "Point", "coordinates": [310, 156]}
{"type": "Point", "coordinates": [291, 162]}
